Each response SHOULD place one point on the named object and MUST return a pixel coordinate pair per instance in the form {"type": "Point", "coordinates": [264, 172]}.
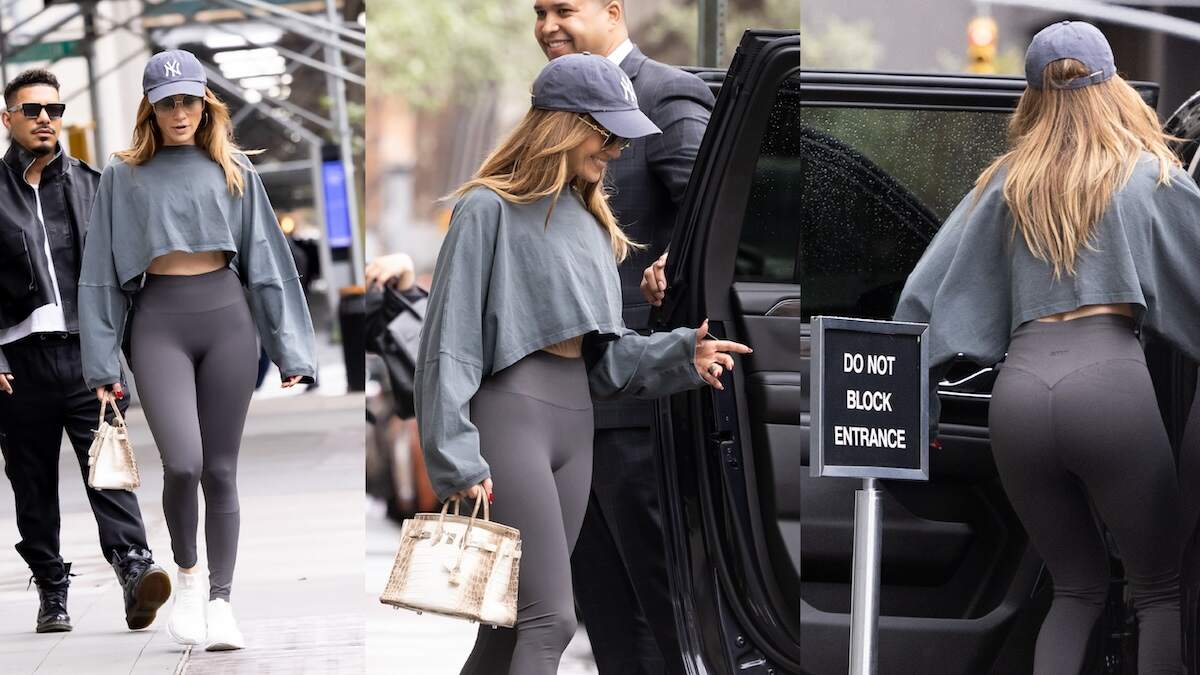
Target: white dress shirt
{"type": "Point", "coordinates": [618, 55]}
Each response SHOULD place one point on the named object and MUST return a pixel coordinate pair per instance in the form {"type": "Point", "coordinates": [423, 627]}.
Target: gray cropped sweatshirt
{"type": "Point", "coordinates": [977, 281]}
{"type": "Point", "coordinates": [178, 201]}
{"type": "Point", "coordinates": [507, 284]}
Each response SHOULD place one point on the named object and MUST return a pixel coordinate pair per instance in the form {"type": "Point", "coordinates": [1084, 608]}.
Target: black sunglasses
{"type": "Point", "coordinates": [610, 138]}
{"type": "Point", "coordinates": [167, 105]}
{"type": "Point", "coordinates": [34, 110]}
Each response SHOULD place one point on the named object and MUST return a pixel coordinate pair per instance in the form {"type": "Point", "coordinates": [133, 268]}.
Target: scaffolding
{"type": "Point", "coordinates": [329, 40]}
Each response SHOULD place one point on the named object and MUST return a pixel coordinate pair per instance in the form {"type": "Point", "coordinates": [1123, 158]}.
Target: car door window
{"type": "Point", "coordinates": [873, 186]}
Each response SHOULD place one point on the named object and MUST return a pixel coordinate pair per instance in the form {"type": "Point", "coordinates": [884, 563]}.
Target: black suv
{"type": "Point", "coordinates": [815, 193]}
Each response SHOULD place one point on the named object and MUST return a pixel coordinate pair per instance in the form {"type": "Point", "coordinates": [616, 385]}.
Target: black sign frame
{"type": "Point", "coordinates": [817, 404]}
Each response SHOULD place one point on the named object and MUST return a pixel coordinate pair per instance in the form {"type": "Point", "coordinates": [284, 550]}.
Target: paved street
{"type": "Point", "coordinates": [400, 642]}
{"type": "Point", "coordinates": [297, 590]}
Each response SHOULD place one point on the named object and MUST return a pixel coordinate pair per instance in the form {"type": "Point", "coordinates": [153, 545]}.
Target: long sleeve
{"type": "Point", "coordinates": [1170, 283]}
{"type": "Point", "coordinates": [103, 306]}
{"type": "Point", "coordinates": [452, 358]}
{"type": "Point", "coordinates": [645, 366]}
{"type": "Point", "coordinates": [275, 294]}
{"type": "Point", "coordinates": [682, 114]}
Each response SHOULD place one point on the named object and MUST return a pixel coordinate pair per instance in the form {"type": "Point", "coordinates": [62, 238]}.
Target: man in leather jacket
{"type": "Point", "coordinates": [45, 197]}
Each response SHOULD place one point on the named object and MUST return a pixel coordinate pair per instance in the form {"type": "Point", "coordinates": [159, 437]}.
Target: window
{"type": "Point", "coordinates": [845, 200]}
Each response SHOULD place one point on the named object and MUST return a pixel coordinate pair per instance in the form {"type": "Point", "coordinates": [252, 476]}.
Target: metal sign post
{"type": "Point", "coordinates": [864, 582]}
{"type": "Point", "coordinates": [870, 412]}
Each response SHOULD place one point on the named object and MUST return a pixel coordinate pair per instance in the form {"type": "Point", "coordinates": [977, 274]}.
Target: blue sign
{"type": "Point", "coordinates": [337, 210]}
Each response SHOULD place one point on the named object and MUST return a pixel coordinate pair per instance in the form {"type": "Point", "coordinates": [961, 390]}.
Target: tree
{"type": "Point", "coordinates": [433, 52]}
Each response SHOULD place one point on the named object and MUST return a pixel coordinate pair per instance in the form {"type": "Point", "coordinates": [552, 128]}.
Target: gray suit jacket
{"type": "Point", "coordinates": [648, 182]}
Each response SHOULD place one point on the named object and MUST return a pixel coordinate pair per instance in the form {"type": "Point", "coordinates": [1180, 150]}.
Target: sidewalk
{"type": "Point", "coordinates": [299, 579]}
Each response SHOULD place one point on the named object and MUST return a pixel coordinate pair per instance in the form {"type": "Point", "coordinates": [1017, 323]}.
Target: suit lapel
{"type": "Point", "coordinates": [632, 64]}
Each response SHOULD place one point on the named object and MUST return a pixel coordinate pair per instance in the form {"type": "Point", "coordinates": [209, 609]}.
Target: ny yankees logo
{"type": "Point", "coordinates": [172, 68]}
{"type": "Point", "coordinates": [627, 88]}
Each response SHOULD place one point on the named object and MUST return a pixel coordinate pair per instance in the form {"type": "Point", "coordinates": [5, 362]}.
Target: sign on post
{"type": "Point", "coordinates": [869, 410]}
{"type": "Point", "coordinates": [870, 399]}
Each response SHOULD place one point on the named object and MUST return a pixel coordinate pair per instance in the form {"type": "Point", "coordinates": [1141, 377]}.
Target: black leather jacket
{"type": "Point", "coordinates": [67, 188]}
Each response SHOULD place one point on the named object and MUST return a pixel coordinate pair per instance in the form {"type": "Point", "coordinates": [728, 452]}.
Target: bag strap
{"type": "Point", "coordinates": [409, 305]}
{"type": "Point", "coordinates": [116, 413]}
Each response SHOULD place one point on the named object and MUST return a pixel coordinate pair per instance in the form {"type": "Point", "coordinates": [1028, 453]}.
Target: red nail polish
{"type": "Point", "coordinates": [491, 498]}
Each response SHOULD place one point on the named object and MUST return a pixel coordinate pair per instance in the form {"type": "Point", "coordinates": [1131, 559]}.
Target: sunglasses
{"type": "Point", "coordinates": [167, 105]}
{"type": "Point", "coordinates": [34, 110]}
{"type": "Point", "coordinates": [610, 139]}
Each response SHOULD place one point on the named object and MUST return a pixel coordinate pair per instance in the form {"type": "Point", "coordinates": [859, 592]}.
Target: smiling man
{"type": "Point", "coordinates": [619, 567]}
{"type": "Point", "coordinates": [45, 197]}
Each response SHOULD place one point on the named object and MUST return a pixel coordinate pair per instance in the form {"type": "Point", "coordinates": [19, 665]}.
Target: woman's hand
{"type": "Point", "coordinates": [473, 491]}
{"type": "Point", "coordinates": [291, 381]}
{"type": "Point", "coordinates": [711, 357]}
{"type": "Point", "coordinates": [110, 393]}
{"type": "Point", "coordinates": [395, 269]}
{"type": "Point", "coordinates": [6, 383]}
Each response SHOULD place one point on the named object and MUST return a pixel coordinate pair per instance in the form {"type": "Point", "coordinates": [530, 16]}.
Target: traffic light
{"type": "Point", "coordinates": [981, 45]}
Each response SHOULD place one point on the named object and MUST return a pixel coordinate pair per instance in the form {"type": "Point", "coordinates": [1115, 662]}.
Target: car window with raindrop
{"type": "Point", "coordinates": [845, 199]}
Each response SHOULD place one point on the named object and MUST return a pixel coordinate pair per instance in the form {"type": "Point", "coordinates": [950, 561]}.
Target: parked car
{"type": "Point", "coordinates": [815, 193]}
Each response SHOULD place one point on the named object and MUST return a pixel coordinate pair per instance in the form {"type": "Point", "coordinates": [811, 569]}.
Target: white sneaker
{"type": "Point", "coordinates": [223, 633]}
{"type": "Point", "coordinates": [186, 624]}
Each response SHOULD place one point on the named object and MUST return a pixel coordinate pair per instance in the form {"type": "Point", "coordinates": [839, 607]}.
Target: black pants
{"type": "Point", "coordinates": [49, 395]}
{"type": "Point", "coordinates": [619, 564]}
{"type": "Point", "coordinates": [1077, 433]}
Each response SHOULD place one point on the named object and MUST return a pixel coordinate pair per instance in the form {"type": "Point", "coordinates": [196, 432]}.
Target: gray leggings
{"type": "Point", "coordinates": [1077, 434]}
{"type": "Point", "coordinates": [535, 431]}
{"type": "Point", "coordinates": [195, 359]}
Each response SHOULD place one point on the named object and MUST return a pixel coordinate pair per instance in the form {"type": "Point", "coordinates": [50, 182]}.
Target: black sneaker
{"type": "Point", "coordinates": [52, 603]}
{"type": "Point", "coordinates": [146, 585]}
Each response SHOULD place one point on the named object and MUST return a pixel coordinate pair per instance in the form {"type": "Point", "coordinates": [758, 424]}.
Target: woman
{"type": "Point", "coordinates": [1061, 269]}
{"type": "Point", "coordinates": [524, 326]}
{"type": "Point", "coordinates": [180, 226]}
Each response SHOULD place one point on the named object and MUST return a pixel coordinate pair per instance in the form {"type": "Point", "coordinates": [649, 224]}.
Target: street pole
{"type": "Point", "coordinates": [89, 54]}
{"type": "Point", "coordinates": [323, 250]}
{"type": "Point", "coordinates": [864, 587]}
{"type": "Point", "coordinates": [337, 86]}
{"type": "Point", "coordinates": [710, 43]}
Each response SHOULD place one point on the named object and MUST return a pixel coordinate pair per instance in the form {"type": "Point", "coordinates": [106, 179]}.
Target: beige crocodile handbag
{"type": "Point", "coordinates": [457, 566]}
{"type": "Point", "coordinates": [111, 465]}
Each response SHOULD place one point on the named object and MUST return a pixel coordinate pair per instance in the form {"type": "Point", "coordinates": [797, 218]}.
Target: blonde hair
{"type": "Point", "coordinates": [531, 163]}
{"type": "Point", "coordinates": [215, 136]}
{"type": "Point", "coordinates": [1071, 149]}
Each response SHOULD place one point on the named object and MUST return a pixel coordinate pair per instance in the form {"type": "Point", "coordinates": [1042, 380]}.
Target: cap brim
{"type": "Point", "coordinates": [185, 87]}
{"type": "Point", "coordinates": [626, 123]}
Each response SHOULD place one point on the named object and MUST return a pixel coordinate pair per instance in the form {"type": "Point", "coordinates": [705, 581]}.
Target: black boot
{"type": "Point", "coordinates": [146, 585]}
{"type": "Point", "coordinates": [52, 598]}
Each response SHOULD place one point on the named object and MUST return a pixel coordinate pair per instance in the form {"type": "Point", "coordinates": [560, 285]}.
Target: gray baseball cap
{"type": "Point", "coordinates": [1077, 40]}
{"type": "Point", "coordinates": [173, 72]}
{"type": "Point", "coordinates": [587, 83]}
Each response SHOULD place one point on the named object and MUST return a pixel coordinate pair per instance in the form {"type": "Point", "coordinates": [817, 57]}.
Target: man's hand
{"type": "Point", "coordinates": [654, 281]}
{"type": "Point", "coordinates": [6, 383]}
{"type": "Point", "coordinates": [291, 381]}
{"type": "Point", "coordinates": [395, 269]}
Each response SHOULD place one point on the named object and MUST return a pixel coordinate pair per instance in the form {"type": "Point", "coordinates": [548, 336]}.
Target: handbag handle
{"type": "Point", "coordinates": [116, 413]}
{"type": "Point", "coordinates": [470, 523]}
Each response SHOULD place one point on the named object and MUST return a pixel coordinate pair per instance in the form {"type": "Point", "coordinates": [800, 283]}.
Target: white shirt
{"type": "Point", "coordinates": [47, 318]}
{"type": "Point", "coordinates": [618, 55]}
